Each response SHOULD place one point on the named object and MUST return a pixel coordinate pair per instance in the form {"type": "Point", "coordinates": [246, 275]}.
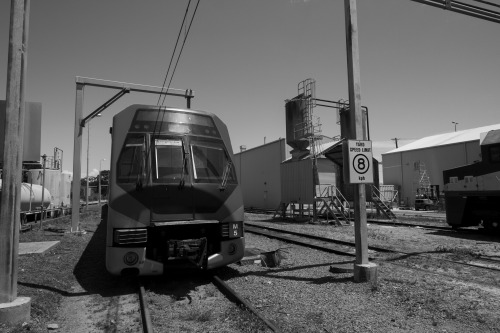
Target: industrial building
{"type": "Point", "coordinates": [43, 183]}
{"type": "Point", "coordinates": [421, 163]}
{"type": "Point", "coordinates": [259, 174]}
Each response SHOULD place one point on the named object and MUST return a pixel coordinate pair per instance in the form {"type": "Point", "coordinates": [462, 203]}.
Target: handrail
{"type": "Point", "coordinates": [332, 191]}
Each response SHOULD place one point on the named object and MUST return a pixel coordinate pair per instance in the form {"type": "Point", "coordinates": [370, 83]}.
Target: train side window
{"type": "Point", "coordinates": [453, 180]}
{"type": "Point", "coordinates": [495, 154]}
{"type": "Point", "coordinates": [168, 160]}
{"type": "Point", "coordinates": [131, 160]}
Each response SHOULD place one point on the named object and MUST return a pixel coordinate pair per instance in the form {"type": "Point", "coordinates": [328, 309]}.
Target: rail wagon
{"type": "Point", "coordinates": [174, 199]}
{"type": "Point", "coordinates": [472, 192]}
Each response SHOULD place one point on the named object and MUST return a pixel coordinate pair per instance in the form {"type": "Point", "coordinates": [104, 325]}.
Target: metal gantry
{"type": "Point", "coordinates": [80, 122]}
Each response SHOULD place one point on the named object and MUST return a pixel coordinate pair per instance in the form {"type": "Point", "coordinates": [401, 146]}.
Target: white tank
{"type": "Point", "coordinates": [31, 196]}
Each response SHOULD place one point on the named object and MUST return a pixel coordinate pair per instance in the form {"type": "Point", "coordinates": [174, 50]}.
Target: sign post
{"type": "Point", "coordinates": [363, 270]}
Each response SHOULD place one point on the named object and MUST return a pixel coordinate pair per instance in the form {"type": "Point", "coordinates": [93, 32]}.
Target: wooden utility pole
{"type": "Point", "coordinates": [396, 141]}
{"type": "Point", "coordinates": [13, 153]}
{"type": "Point", "coordinates": [363, 270]}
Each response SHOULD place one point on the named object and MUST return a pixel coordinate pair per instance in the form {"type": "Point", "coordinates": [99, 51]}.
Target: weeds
{"type": "Point", "coordinates": [196, 314]}
{"type": "Point", "coordinates": [457, 250]}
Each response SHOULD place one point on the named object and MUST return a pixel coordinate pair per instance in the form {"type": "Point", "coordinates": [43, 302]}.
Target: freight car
{"type": "Point", "coordinates": [174, 199]}
{"type": "Point", "coordinates": [472, 192]}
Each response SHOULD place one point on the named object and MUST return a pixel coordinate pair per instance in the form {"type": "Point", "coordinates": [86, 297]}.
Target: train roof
{"type": "Point", "coordinates": [155, 107]}
{"type": "Point", "coordinates": [490, 138]}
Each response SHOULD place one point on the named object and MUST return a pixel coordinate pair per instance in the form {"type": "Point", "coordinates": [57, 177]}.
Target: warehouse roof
{"type": "Point", "coordinates": [445, 139]}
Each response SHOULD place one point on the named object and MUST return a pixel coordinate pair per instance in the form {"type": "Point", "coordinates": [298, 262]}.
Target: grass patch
{"type": "Point", "coordinates": [197, 314]}
{"type": "Point", "coordinates": [47, 278]}
{"type": "Point", "coordinates": [463, 251]}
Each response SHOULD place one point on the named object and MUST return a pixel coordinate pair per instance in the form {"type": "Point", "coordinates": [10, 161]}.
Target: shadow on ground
{"type": "Point", "coordinates": [91, 273]}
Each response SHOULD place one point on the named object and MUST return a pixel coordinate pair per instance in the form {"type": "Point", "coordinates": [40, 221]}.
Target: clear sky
{"type": "Point", "coordinates": [421, 67]}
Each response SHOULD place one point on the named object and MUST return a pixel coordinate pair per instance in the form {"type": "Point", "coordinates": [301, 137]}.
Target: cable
{"type": "Point", "coordinates": [488, 3]}
{"type": "Point", "coordinates": [175, 48]}
{"type": "Point", "coordinates": [182, 48]}
{"type": "Point", "coordinates": [156, 130]}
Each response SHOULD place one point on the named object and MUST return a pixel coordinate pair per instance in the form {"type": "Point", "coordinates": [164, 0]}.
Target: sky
{"type": "Point", "coordinates": [421, 67]}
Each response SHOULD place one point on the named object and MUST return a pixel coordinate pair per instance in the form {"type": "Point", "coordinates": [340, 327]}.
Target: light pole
{"type": "Point", "coordinates": [455, 123]}
{"type": "Point", "coordinates": [102, 159]}
{"type": "Point", "coordinates": [88, 145]}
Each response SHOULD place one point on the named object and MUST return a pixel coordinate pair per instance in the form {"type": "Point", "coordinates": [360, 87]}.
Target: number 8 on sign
{"type": "Point", "coordinates": [361, 164]}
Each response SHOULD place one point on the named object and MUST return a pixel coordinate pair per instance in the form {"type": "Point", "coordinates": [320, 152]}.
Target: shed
{"type": "Point", "coordinates": [425, 159]}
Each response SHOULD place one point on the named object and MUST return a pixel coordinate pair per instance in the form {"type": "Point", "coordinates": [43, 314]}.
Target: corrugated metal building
{"type": "Point", "coordinates": [428, 157]}
{"type": "Point", "coordinates": [258, 171]}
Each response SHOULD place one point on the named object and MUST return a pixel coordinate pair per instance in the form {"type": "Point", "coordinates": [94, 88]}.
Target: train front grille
{"type": "Point", "coordinates": [130, 236]}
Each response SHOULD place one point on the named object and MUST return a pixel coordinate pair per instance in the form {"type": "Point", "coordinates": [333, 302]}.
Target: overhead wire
{"type": "Point", "coordinates": [488, 3]}
{"type": "Point", "coordinates": [169, 65]}
{"type": "Point", "coordinates": [156, 130]}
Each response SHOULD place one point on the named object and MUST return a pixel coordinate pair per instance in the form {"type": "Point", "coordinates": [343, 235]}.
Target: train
{"type": "Point", "coordinates": [472, 192]}
{"type": "Point", "coordinates": [174, 199]}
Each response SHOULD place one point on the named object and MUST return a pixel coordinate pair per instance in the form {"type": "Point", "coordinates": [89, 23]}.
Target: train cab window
{"type": "Point", "coordinates": [168, 160]}
{"type": "Point", "coordinates": [210, 163]}
{"type": "Point", "coordinates": [131, 160]}
{"type": "Point", "coordinates": [495, 154]}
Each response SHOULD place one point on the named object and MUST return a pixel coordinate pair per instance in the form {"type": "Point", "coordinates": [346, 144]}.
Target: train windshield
{"type": "Point", "coordinates": [211, 163]}
{"type": "Point", "coordinates": [131, 160]}
{"type": "Point", "coordinates": [168, 161]}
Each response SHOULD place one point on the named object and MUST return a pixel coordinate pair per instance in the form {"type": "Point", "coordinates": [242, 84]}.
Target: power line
{"type": "Point", "coordinates": [182, 47]}
{"type": "Point", "coordinates": [155, 131]}
{"type": "Point", "coordinates": [175, 48]}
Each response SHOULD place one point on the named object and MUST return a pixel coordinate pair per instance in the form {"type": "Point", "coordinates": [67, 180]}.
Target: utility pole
{"type": "Point", "coordinates": [455, 123]}
{"type": "Point", "coordinates": [15, 309]}
{"type": "Point", "coordinates": [363, 270]}
{"type": "Point", "coordinates": [396, 141]}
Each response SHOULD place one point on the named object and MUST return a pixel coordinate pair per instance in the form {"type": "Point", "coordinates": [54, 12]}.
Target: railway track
{"type": "Point", "coordinates": [222, 286]}
{"type": "Point", "coordinates": [347, 248]}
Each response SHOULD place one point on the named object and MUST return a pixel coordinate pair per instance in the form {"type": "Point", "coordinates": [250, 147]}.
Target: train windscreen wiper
{"type": "Point", "coordinates": [225, 176]}
{"type": "Point", "coordinates": [184, 161]}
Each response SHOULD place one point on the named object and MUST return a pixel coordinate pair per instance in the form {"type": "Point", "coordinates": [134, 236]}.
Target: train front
{"type": "Point", "coordinates": [174, 200]}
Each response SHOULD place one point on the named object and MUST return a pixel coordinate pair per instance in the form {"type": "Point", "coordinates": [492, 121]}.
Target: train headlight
{"type": "Point", "coordinates": [232, 248]}
{"type": "Point", "coordinates": [130, 258]}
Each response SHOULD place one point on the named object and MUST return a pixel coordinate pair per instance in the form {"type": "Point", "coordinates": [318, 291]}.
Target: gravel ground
{"type": "Point", "coordinates": [411, 294]}
{"type": "Point", "coordinates": [191, 303]}
{"type": "Point", "coordinates": [418, 292]}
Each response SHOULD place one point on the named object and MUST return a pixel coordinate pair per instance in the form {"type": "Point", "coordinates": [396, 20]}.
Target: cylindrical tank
{"type": "Point", "coordinates": [31, 197]}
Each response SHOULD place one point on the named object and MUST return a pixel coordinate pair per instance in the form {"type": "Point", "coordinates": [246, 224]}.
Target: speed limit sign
{"type": "Point", "coordinates": [360, 158]}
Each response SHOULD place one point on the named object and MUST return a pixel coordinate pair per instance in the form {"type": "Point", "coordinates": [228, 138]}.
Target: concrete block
{"type": "Point", "coordinates": [15, 312]}
{"type": "Point", "coordinates": [365, 272]}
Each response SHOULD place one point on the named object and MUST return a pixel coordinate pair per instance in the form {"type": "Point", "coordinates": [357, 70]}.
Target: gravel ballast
{"type": "Point", "coordinates": [302, 295]}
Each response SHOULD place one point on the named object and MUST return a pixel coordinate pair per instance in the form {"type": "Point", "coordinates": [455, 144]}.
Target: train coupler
{"type": "Point", "coordinates": [194, 250]}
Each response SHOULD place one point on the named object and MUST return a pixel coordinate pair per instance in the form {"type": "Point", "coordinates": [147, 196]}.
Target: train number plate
{"type": "Point", "coordinates": [235, 230]}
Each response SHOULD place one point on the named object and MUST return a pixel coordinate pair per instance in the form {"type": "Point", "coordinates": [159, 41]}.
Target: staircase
{"type": "Point", "coordinates": [332, 203]}
{"type": "Point", "coordinates": [381, 206]}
